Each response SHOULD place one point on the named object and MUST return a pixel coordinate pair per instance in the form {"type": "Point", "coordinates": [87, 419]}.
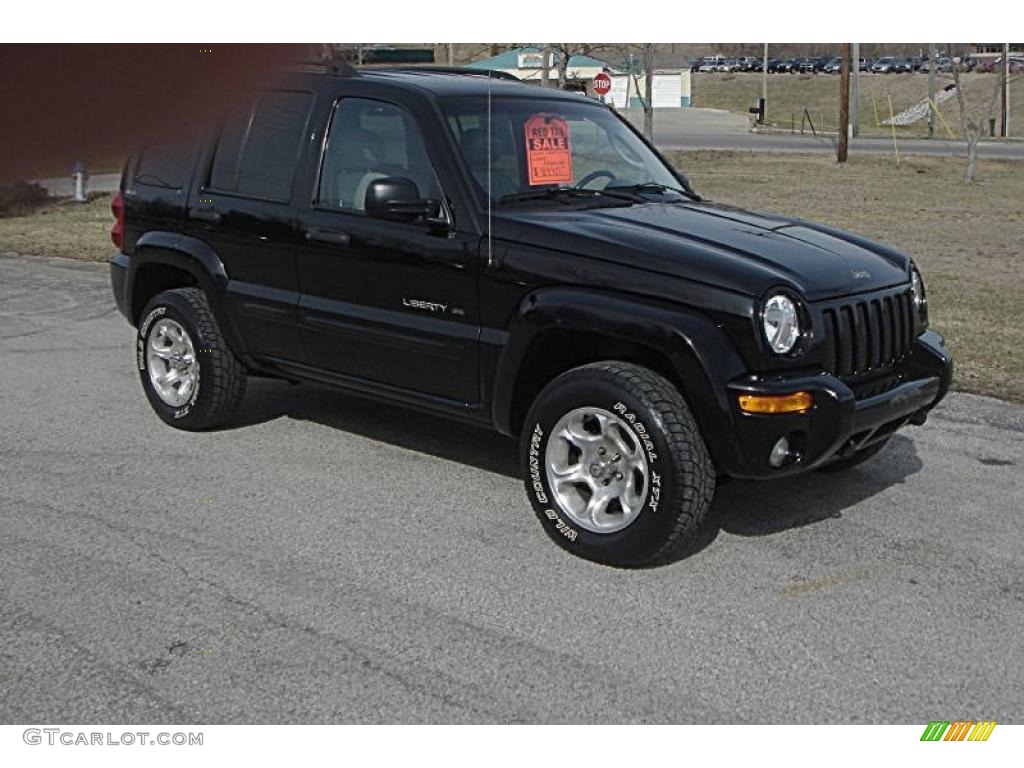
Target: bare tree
{"type": "Point", "coordinates": [646, 54]}
{"type": "Point", "coordinates": [648, 100]}
{"type": "Point", "coordinates": [974, 123]}
{"type": "Point", "coordinates": [563, 53]}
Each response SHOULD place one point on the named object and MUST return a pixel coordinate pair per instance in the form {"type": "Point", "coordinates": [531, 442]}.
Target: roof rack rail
{"type": "Point", "coordinates": [335, 67]}
{"type": "Point", "coordinates": [497, 74]}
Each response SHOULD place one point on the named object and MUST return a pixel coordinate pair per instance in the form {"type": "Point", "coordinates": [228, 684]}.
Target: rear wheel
{"type": "Point", "coordinates": [191, 377]}
{"type": "Point", "coordinates": [615, 466]}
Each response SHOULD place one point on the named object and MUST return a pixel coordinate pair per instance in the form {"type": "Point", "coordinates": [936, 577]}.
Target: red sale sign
{"type": "Point", "coordinates": [548, 152]}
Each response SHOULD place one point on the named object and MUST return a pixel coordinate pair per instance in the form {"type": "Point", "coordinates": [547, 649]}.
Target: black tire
{"type": "Point", "coordinates": [220, 387]}
{"type": "Point", "coordinates": [673, 519]}
{"type": "Point", "coordinates": [841, 465]}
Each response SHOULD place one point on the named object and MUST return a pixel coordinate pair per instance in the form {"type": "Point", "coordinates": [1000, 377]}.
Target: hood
{"type": "Point", "coordinates": [717, 245]}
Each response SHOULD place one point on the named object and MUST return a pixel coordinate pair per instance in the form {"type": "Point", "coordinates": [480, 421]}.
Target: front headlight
{"type": "Point", "coordinates": [917, 291]}
{"type": "Point", "coordinates": [781, 323]}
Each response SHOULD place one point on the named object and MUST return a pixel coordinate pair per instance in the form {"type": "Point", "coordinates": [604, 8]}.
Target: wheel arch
{"type": "Point", "coordinates": [164, 261]}
{"type": "Point", "coordinates": [557, 329]}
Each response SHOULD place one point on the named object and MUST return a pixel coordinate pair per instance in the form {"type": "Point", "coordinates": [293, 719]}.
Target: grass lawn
{"type": "Point", "coordinates": [62, 228]}
{"type": "Point", "coordinates": [967, 240]}
{"type": "Point", "coordinates": [788, 95]}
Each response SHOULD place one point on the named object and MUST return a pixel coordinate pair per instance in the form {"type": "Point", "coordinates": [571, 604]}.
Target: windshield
{"type": "Point", "coordinates": [522, 146]}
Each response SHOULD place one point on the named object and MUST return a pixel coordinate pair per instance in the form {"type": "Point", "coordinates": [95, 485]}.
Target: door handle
{"type": "Point", "coordinates": [333, 236]}
{"type": "Point", "coordinates": [206, 214]}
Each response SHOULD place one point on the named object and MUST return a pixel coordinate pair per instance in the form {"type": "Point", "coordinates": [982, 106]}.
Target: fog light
{"type": "Point", "coordinates": [780, 452]}
{"type": "Point", "coordinates": [797, 402]}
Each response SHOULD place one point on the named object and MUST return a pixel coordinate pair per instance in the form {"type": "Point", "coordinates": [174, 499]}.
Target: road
{"type": "Point", "coordinates": [692, 129]}
{"type": "Point", "coordinates": [333, 560]}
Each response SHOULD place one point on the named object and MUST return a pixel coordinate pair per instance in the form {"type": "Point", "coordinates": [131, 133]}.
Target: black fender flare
{"type": "Point", "coordinates": [700, 352]}
{"type": "Point", "coordinates": [191, 255]}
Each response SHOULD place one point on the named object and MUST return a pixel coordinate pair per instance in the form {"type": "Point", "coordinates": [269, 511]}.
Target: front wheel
{"type": "Point", "coordinates": [615, 466]}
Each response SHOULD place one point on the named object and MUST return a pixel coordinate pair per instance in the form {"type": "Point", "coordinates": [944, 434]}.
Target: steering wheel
{"type": "Point", "coordinates": [594, 176]}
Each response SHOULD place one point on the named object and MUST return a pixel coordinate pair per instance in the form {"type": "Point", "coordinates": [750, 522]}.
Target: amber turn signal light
{"type": "Point", "coordinates": [797, 402]}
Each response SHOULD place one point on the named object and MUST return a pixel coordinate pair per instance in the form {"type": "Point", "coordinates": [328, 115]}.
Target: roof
{"type": "Point", "coordinates": [464, 84]}
{"type": "Point", "coordinates": [510, 60]}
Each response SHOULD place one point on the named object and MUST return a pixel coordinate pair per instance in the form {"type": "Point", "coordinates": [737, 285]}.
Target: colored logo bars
{"type": "Point", "coordinates": [958, 730]}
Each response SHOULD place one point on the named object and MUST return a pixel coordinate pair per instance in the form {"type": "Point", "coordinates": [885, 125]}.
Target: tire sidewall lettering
{"type": "Point", "coordinates": [538, 485]}
{"type": "Point", "coordinates": [144, 334]}
{"type": "Point", "coordinates": [646, 441]}
{"type": "Point", "coordinates": [141, 341]}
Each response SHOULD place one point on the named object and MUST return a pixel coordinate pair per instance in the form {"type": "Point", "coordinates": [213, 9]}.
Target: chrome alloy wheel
{"type": "Point", "coordinates": [171, 363]}
{"type": "Point", "coordinates": [596, 469]}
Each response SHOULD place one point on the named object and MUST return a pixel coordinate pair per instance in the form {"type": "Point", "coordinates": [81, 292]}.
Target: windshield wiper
{"type": "Point", "coordinates": [653, 186]}
{"type": "Point", "coordinates": [556, 192]}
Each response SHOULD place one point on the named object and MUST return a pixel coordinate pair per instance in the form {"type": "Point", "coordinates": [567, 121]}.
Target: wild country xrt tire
{"type": "Point", "coordinates": [191, 377]}
{"type": "Point", "coordinates": [666, 514]}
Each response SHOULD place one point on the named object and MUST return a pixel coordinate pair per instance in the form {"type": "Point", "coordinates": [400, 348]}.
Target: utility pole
{"type": "Point", "coordinates": [932, 66]}
{"type": "Point", "coordinates": [545, 72]}
{"type": "Point", "coordinates": [844, 105]}
{"type": "Point", "coordinates": [451, 54]}
{"type": "Point", "coordinates": [855, 92]}
{"type": "Point", "coordinates": [1005, 122]}
{"type": "Point", "coordinates": [764, 84]}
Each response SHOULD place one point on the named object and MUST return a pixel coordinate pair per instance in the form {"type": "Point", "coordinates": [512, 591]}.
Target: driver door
{"type": "Point", "coordinates": [391, 303]}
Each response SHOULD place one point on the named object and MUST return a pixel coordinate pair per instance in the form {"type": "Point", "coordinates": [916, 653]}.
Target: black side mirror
{"type": "Point", "coordinates": [398, 199]}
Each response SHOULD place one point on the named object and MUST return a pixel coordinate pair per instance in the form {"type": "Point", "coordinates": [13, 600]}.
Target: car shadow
{"type": "Point", "coordinates": [268, 399]}
{"type": "Point", "coordinates": [748, 508]}
{"type": "Point", "coordinates": [742, 508]}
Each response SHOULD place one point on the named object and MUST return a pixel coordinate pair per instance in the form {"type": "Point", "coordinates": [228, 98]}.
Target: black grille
{"type": "Point", "coordinates": [868, 335]}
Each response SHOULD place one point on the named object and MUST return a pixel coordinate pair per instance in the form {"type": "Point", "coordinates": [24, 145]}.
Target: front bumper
{"type": "Point", "coordinates": [839, 423]}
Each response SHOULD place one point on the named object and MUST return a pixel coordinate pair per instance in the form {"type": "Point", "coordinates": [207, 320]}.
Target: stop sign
{"type": "Point", "coordinates": [602, 84]}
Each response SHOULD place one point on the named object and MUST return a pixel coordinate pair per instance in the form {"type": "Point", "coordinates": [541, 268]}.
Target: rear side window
{"type": "Point", "coordinates": [167, 165]}
{"type": "Point", "coordinates": [258, 149]}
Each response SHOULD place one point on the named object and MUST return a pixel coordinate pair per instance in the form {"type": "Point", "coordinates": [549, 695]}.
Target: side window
{"type": "Point", "coordinates": [165, 164]}
{"type": "Point", "coordinates": [224, 171]}
{"type": "Point", "coordinates": [258, 151]}
{"type": "Point", "coordinates": [371, 140]}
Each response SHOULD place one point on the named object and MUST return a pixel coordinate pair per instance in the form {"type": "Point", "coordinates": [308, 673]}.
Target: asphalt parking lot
{"type": "Point", "coordinates": [334, 560]}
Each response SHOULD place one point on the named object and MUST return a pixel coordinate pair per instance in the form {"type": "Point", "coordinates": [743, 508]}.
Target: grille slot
{"type": "Point", "coordinates": [867, 335]}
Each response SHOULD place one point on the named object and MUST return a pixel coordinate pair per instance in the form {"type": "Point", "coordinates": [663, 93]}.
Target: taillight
{"type": "Point", "coordinates": [117, 231]}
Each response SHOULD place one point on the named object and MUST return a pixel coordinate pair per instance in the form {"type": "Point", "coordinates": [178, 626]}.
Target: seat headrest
{"type": "Point", "coordinates": [474, 146]}
{"type": "Point", "coordinates": [360, 149]}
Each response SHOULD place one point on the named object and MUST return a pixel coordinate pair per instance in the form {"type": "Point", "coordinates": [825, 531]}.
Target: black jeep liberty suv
{"type": "Point", "coordinates": [520, 258]}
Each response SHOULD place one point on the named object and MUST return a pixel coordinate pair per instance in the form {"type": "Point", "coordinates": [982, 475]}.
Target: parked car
{"type": "Point", "coordinates": [888, 65]}
{"type": "Point", "coordinates": [996, 64]}
{"type": "Point", "coordinates": [821, 62]}
{"type": "Point", "coordinates": [551, 277]}
{"type": "Point", "coordinates": [751, 63]}
{"type": "Point", "coordinates": [834, 65]}
{"type": "Point", "coordinates": [788, 66]}
{"type": "Point", "coordinates": [941, 64]}
{"type": "Point", "coordinates": [806, 65]}
{"type": "Point", "coordinates": [865, 65]}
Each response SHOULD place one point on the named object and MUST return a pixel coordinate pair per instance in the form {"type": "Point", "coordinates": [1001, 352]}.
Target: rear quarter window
{"type": "Point", "coordinates": [166, 164]}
